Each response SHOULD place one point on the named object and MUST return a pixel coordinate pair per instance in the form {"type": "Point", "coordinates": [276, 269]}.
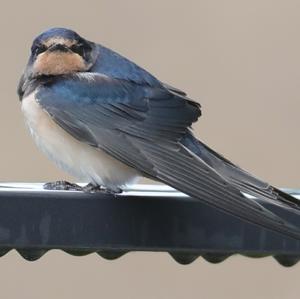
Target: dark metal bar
{"type": "Point", "coordinates": [154, 218]}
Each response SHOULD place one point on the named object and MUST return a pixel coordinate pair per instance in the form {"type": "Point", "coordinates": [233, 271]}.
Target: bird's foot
{"type": "Point", "coordinates": [91, 188]}
{"type": "Point", "coordinates": [114, 191]}
{"type": "Point", "coordinates": [62, 185]}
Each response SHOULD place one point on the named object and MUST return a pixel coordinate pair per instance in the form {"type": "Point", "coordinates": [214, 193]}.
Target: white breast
{"type": "Point", "coordinates": [78, 159]}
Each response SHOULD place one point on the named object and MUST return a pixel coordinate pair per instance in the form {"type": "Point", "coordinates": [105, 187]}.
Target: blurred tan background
{"type": "Point", "coordinates": [240, 59]}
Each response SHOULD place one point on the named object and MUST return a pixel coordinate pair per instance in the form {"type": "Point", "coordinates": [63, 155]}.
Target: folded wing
{"type": "Point", "coordinates": [148, 129]}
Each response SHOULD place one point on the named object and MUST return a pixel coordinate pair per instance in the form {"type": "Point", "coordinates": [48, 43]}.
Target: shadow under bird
{"type": "Point", "coordinates": [107, 121]}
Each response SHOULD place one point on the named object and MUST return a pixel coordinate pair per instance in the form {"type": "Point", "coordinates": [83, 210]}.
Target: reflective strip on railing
{"type": "Point", "coordinates": [134, 190]}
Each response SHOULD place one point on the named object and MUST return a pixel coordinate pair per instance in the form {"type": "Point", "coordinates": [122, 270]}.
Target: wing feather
{"type": "Point", "coordinates": [148, 128]}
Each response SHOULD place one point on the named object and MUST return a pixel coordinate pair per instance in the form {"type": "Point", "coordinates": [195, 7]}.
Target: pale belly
{"type": "Point", "coordinates": [81, 160]}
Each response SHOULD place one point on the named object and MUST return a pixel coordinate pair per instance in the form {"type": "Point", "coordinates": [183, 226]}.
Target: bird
{"type": "Point", "coordinates": [107, 121]}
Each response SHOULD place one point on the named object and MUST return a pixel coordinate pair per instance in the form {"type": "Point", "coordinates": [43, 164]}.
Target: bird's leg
{"type": "Point", "coordinates": [92, 188]}
{"type": "Point", "coordinates": [113, 191]}
{"type": "Point", "coordinates": [62, 185]}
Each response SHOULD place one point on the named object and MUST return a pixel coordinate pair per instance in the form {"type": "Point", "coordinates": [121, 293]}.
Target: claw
{"type": "Point", "coordinates": [62, 185]}
{"type": "Point", "coordinates": [91, 188]}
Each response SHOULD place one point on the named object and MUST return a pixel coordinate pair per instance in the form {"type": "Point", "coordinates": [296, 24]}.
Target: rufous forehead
{"type": "Point", "coordinates": [59, 40]}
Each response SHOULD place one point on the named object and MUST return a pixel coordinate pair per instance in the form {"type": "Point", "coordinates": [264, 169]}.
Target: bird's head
{"type": "Point", "coordinates": [60, 51]}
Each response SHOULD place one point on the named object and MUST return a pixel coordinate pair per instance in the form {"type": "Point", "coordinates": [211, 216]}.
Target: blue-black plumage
{"type": "Point", "coordinates": [106, 120]}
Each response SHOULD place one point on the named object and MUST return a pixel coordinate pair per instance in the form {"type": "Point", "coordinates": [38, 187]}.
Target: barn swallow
{"type": "Point", "coordinates": [107, 121]}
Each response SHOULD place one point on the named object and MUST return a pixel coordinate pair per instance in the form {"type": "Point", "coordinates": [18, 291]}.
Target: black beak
{"type": "Point", "coordinates": [58, 47]}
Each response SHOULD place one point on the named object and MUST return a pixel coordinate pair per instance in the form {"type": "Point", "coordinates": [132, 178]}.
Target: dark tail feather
{"type": "Point", "coordinates": [238, 177]}
{"type": "Point", "coordinates": [287, 199]}
{"type": "Point", "coordinates": [192, 168]}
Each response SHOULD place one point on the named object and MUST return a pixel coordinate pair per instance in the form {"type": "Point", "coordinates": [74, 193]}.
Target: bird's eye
{"type": "Point", "coordinates": [40, 49]}
{"type": "Point", "coordinates": [78, 48]}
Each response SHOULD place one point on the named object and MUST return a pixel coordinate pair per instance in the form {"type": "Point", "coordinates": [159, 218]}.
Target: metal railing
{"type": "Point", "coordinates": [142, 218]}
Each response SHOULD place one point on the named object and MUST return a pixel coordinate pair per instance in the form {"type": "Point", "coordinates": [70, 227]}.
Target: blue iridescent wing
{"type": "Point", "coordinates": [148, 128]}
